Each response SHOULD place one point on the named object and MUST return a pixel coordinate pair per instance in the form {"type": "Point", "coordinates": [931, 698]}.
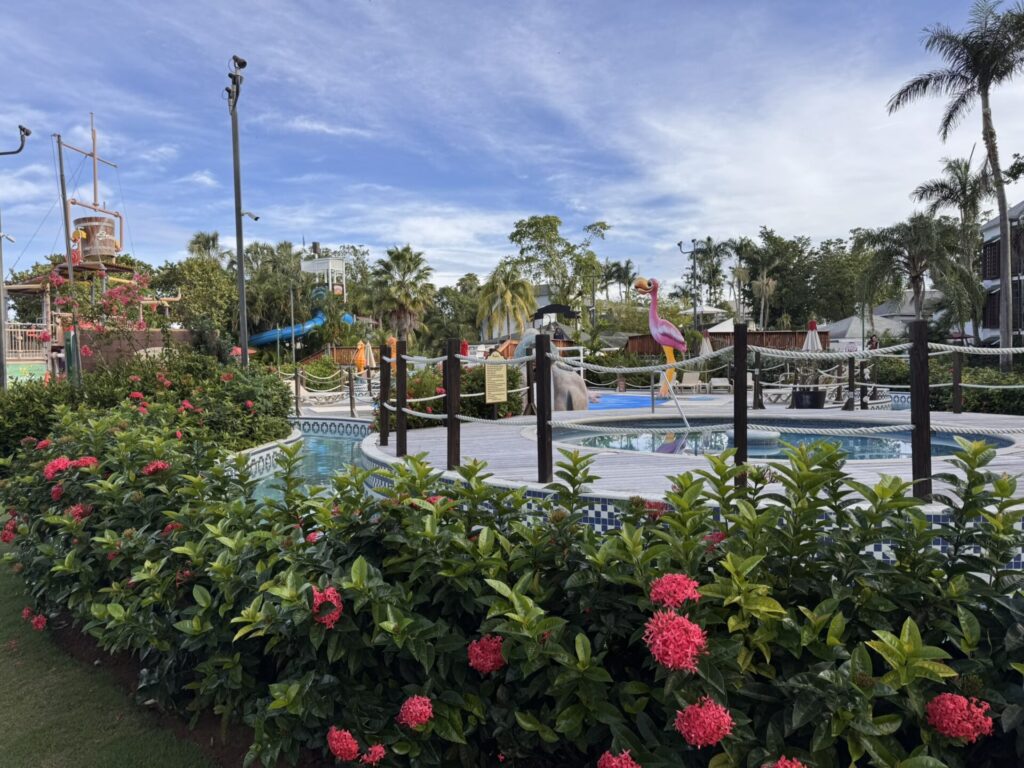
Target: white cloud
{"type": "Point", "coordinates": [304, 124]}
{"type": "Point", "coordinates": [202, 178]}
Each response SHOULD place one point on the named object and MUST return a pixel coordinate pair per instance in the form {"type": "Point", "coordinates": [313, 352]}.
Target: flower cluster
{"type": "Point", "coordinates": [136, 395]}
{"type": "Point", "coordinates": [415, 711]}
{"type": "Point", "coordinates": [705, 723]}
{"type": "Point", "coordinates": [343, 745]}
{"type": "Point", "coordinates": [171, 528]}
{"type": "Point", "coordinates": [656, 509]}
{"type": "Point", "coordinates": [622, 760]}
{"type": "Point", "coordinates": [313, 537]}
{"type": "Point", "coordinates": [713, 539]}
{"type": "Point", "coordinates": [10, 530]}
{"type": "Point", "coordinates": [485, 654]}
{"type": "Point", "coordinates": [787, 762]}
{"type": "Point", "coordinates": [674, 589]}
{"type": "Point", "coordinates": [155, 466]}
{"type": "Point", "coordinates": [43, 444]}
{"type": "Point", "coordinates": [957, 717]}
{"type": "Point", "coordinates": [80, 511]}
{"type": "Point", "coordinates": [56, 466]}
{"type": "Point", "coordinates": [327, 617]}
{"type": "Point", "coordinates": [37, 620]}
{"type": "Point", "coordinates": [675, 641]}
{"type": "Point", "coordinates": [57, 492]}
{"type": "Point", "coordinates": [84, 462]}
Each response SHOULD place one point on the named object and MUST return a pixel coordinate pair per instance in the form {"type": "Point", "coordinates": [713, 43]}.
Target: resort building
{"type": "Point", "coordinates": [991, 272]}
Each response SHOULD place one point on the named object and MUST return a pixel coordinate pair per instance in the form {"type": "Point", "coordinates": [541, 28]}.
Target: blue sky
{"type": "Point", "coordinates": [441, 123]}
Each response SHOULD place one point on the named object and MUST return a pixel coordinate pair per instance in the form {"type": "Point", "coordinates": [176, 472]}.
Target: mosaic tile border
{"type": "Point", "coordinates": [262, 460]}
{"type": "Point", "coordinates": [333, 427]}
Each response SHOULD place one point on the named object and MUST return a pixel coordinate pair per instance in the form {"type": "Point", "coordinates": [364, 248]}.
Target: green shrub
{"type": "Point", "coordinates": [940, 371]}
{"type": "Point", "coordinates": [818, 650]}
{"type": "Point", "coordinates": [427, 382]}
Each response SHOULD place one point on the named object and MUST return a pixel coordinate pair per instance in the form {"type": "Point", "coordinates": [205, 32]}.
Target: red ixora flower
{"type": "Point", "coordinates": [713, 539]}
{"type": "Point", "coordinates": [186, 406]}
{"type": "Point", "coordinates": [313, 537]}
{"type": "Point", "coordinates": [171, 528]}
{"type": "Point", "coordinates": [674, 589]}
{"type": "Point", "coordinates": [57, 492]}
{"type": "Point", "coordinates": [655, 509]}
{"type": "Point", "coordinates": [705, 723]}
{"type": "Point", "coordinates": [622, 760]}
{"type": "Point", "coordinates": [9, 532]}
{"type": "Point", "coordinates": [674, 640]}
{"type": "Point", "coordinates": [250, 404]}
{"type": "Point", "coordinates": [374, 754]}
{"type": "Point", "coordinates": [328, 618]}
{"type": "Point", "coordinates": [342, 744]}
{"type": "Point", "coordinates": [39, 622]}
{"type": "Point", "coordinates": [178, 434]}
{"type": "Point", "coordinates": [26, 613]}
{"type": "Point", "coordinates": [134, 379]}
{"type": "Point", "coordinates": [415, 711]}
{"type": "Point", "coordinates": [43, 444]}
{"type": "Point", "coordinates": [136, 395]}
{"type": "Point", "coordinates": [85, 461]}
{"type": "Point", "coordinates": [439, 391]}
{"type": "Point", "coordinates": [957, 717]}
{"type": "Point", "coordinates": [786, 762]}
{"type": "Point", "coordinates": [55, 467]}
{"type": "Point", "coordinates": [80, 511]}
{"type": "Point", "coordinates": [86, 350]}
{"type": "Point", "coordinates": [155, 466]}
{"type": "Point", "coordinates": [485, 654]}
{"type": "Point", "coordinates": [225, 377]}
{"type": "Point", "coordinates": [436, 499]}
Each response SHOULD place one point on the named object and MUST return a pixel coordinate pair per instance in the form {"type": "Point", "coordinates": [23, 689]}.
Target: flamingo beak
{"type": "Point", "coordinates": [642, 285]}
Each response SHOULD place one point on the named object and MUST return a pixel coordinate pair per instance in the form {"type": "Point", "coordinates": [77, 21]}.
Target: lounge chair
{"type": "Point", "coordinates": [719, 384]}
{"type": "Point", "coordinates": [690, 382]}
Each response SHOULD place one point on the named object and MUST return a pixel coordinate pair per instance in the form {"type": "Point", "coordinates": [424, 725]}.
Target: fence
{"type": "Point", "coordinates": [540, 386]}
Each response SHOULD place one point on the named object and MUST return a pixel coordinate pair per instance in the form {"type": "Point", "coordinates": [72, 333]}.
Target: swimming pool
{"type": "Point", "coordinates": [321, 459]}
{"type": "Point", "coordinates": [765, 439]}
{"type": "Point", "coordinates": [612, 400]}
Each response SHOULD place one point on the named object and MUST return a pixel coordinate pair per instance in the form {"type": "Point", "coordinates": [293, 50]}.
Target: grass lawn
{"type": "Point", "coordinates": [61, 713]}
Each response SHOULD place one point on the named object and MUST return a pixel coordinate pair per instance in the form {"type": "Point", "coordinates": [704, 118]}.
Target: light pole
{"type": "Point", "coordinates": [25, 133]}
{"type": "Point", "coordinates": [3, 311]}
{"type": "Point", "coordinates": [233, 91]}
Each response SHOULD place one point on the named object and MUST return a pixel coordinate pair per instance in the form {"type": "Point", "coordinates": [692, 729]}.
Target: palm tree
{"type": "Point", "coordinates": [711, 255]}
{"type": "Point", "coordinates": [761, 264]}
{"type": "Point", "coordinates": [207, 244]}
{"type": "Point", "coordinates": [910, 250]}
{"type": "Point", "coordinates": [964, 189]}
{"type": "Point", "coordinates": [744, 249]}
{"type": "Point", "coordinates": [987, 53]}
{"type": "Point", "coordinates": [403, 288]}
{"type": "Point", "coordinates": [627, 275]}
{"type": "Point", "coordinates": [507, 296]}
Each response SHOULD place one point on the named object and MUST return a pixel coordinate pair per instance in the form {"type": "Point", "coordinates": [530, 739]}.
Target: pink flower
{"type": "Point", "coordinates": [439, 391]}
{"type": "Point", "coordinates": [329, 617]}
{"type": "Point", "coordinates": [43, 444]}
{"type": "Point", "coordinates": [415, 711]}
{"type": "Point", "coordinates": [429, 409]}
{"type": "Point", "coordinates": [111, 555]}
{"type": "Point", "coordinates": [85, 461]}
{"type": "Point", "coordinates": [143, 410]}
{"type": "Point", "coordinates": [155, 466]}
{"type": "Point", "coordinates": [86, 350]}
{"type": "Point", "coordinates": [374, 755]}
{"type": "Point", "coordinates": [250, 404]}
{"type": "Point", "coordinates": [436, 499]}
{"type": "Point", "coordinates": [171, 528]}
{"type": "Point", "coordinates": [485, 654]}
{"type": "Point", "coordinates": [134, 379]}
{"type": "Point", "coordinates": [674, 589]}
{"type": "Point", "coordinates": [168, 383]}
{"type": "Point", "coordinates": [956, 717]}
{"type": "Point", "coordinates": [178, 434]}
{"type": "Point", "coordinates": [655, 509]}
{"type": "Point", "coordinates": [313, 537]}
{"type": "Point", "coordinates": [622, 760]}
{"type": "Point", "coordinates": [705, 723]}
{"type": "Point", "coordinates": [786, 762]}
{"type": "Point", "coordinates": [45, 337]}
{"type": "Point", "coordinates": [225, 377]}
{"type": "Point", "coordinates": [675, 641]}
{"type": "Point", "coordinates": [186, 406]}
{"type": "Point", "coordinates": [342, 744]}
{"type": "Point", "coordinates": [80, 511]}
{"type": "Point", "coordinates": [140, 325]}
{"type": "Point", "coordinates": [26, 613]}
{"type": "Point", "coordinates": [55, 467]}
{"type": "Point", "coordinates": [57, 492]}
{"type": "Point", "coordinates": [713, 539]}
{"type": "Point", "coordinates": [39, 623]}
{"type": "Point", "coordinates": [136, 395]}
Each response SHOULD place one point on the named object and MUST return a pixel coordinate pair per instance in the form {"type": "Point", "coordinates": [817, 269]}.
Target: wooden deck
{"type": "Point", "coordinates": [510, 448]}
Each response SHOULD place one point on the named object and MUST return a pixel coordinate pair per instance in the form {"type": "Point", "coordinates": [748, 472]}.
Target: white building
{"type": "Point", "coordinates": [330, 271]}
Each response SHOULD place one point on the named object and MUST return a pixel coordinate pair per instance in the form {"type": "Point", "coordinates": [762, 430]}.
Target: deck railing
{"type": "Point", "coordinates": [27, 341]}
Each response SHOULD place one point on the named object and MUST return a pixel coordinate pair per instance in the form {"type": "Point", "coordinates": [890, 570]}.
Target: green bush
{"type": "Point", "coordinates": [30, 408]}
{"type": "Point", "coordinates": [427, 382]}
{"type": "Point", "coordinates": [322, 374]}
{"type": "Point", "coordinates": [806, 645]}
{"type": "Point", "coordinates": [940, 371]}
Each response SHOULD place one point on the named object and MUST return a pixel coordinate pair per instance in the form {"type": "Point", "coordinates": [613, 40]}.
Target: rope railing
{"type": "Point", "coordinates": [487, 361]}
{"type": "Point", "coordinates": [575, 365]}
{"type": "Point", "coordinates": [983, 351]}
{"type": "Point", "coordinates": [799, 354]}
{"type": "Point", "coordinates": [423, 360]}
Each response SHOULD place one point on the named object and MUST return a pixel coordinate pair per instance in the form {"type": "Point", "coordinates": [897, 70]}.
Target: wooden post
{"type": "Point", "coordinates": [545, 465]}
{"type": "Point", "coordinates": [401, 387]}
{"type": "Point", "coordinates": [863, 386]}
{"type": "Point", "coordinates": [739, 400]}
{"type": "Point", "coordinates": [956, 399]}
{"type": "Point", "coordinates": [920, 415]}
{"type": "Point", "coordinates": [453, 391]}
{"type": "Point", "coordinates": [384, 394]}
{"type": "Point", "coordinates": [851, 386]}
{"type": "Point", "coordinates": [758, 389]}
{"type": "Point", "coordinates": [352, 393]}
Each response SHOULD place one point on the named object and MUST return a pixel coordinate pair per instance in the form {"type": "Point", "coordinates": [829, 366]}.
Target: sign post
{"type": "Point", "coordinates": [495, 384]}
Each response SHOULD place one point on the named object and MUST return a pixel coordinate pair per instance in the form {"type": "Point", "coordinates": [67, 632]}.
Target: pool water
{"type": "Point", "coordinates": [662, 439]}
{"type": "Point", "coordinates": [322, 458]}
{"type": "Point", "coordinates": [612, 400]}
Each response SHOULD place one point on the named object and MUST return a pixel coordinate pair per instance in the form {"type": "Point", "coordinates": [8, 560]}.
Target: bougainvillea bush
{"type": "Point", "coordinates": [442, 626]}
{"type": "Point", "coordinates": [218, 393]}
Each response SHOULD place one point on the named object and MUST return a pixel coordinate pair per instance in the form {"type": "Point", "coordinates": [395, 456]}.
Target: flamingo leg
{"type": "Point", "coordinates": [670, 374]}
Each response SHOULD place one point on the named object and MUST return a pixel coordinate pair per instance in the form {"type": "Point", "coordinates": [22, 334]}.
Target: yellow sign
{"type": "Point", "coordinates": [496, 381]}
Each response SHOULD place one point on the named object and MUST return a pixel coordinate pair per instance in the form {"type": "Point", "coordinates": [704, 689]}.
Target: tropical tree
{"type": "Point", "coordinates": [506, 297]}
{"type": "Point", "coordinates": [453, 314]}
{"type": "Point", "coordinates": [986, 54]}
{"type": "Point", "coordinates": [710, 255]}
{"type": "Point", "coordinates": [402, 287]}
{"type": "Point", "coordinates": [965, 190]}
{"type": "Point", "coordinates": [208, 244]}
{"type": "Point", "coordinates": [907, 252]}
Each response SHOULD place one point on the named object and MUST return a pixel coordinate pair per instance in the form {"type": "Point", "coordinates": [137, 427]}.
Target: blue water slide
{"type": "Point", "coordinates": [285, 334]}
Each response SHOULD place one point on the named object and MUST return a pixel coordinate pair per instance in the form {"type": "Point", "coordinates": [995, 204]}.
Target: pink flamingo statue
{"type": "Point", "coordinates": [662, 330]}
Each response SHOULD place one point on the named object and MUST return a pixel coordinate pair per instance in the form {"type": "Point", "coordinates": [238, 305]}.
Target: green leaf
{"type": "Point", "coordinates": [583, 650]}
{"type": "Point", "coordinates": [910, 636]}
{"type": "Point", "coordinates": [201, 595]}
{"type": "Point", "coordinates": [359, 572]}
{"type": "Point", "coordinates": [485, 541]}
{"type": "Point", "coordinates": [970, 628]}
{"type": "Point", "coordinates": [500, 587]}
{"type": "Point", "coordinates": [116, 610]}
{"type": "Point", "coordinates": [836, 627]}
{"type": "Point", "coordinates": [922, 761]}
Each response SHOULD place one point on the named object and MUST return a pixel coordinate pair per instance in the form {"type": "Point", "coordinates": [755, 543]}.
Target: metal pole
{"type": "Point", "coordinates": [920, 416]}
{"type": "Point", "coordinates": [851, 385]}
{"type": "Point", "coordinates": [758, 385]}
{"type": "Point", "coordinates": [739, 400]}
{"type": "Point", "coordinates": [295, 365]}
{"type": "Point", "coordinates": [352, 393]}
{"type": "Point", "coordinates": [545, 465]}
{"type": "Point", "coordinates": [384, 394]}
{"type": "Point", "coordinates": [72, 360]}
{"type": "Point", "coordinates": [243, 315]}
{"type": "Point", "coordinates": [863, 386]}
{"type": "Point", "coordinates": [957, 395]}
{"type": "Point", "coordinates": [3, 314]}
{"type": "Point", "coordinates": [402, 381]}
{"type": "Point", "coordinates": [453, 391]}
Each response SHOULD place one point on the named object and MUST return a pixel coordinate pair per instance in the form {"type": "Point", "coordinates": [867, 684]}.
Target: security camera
{"type": "Point", "coordinates": [251, 215]}
{"type": "Point", "coordinates": [236, 78]}
{"type": "Point", "coordinates": [239, 62]}
{"type": "Point", "coordinates": [24, 131]}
